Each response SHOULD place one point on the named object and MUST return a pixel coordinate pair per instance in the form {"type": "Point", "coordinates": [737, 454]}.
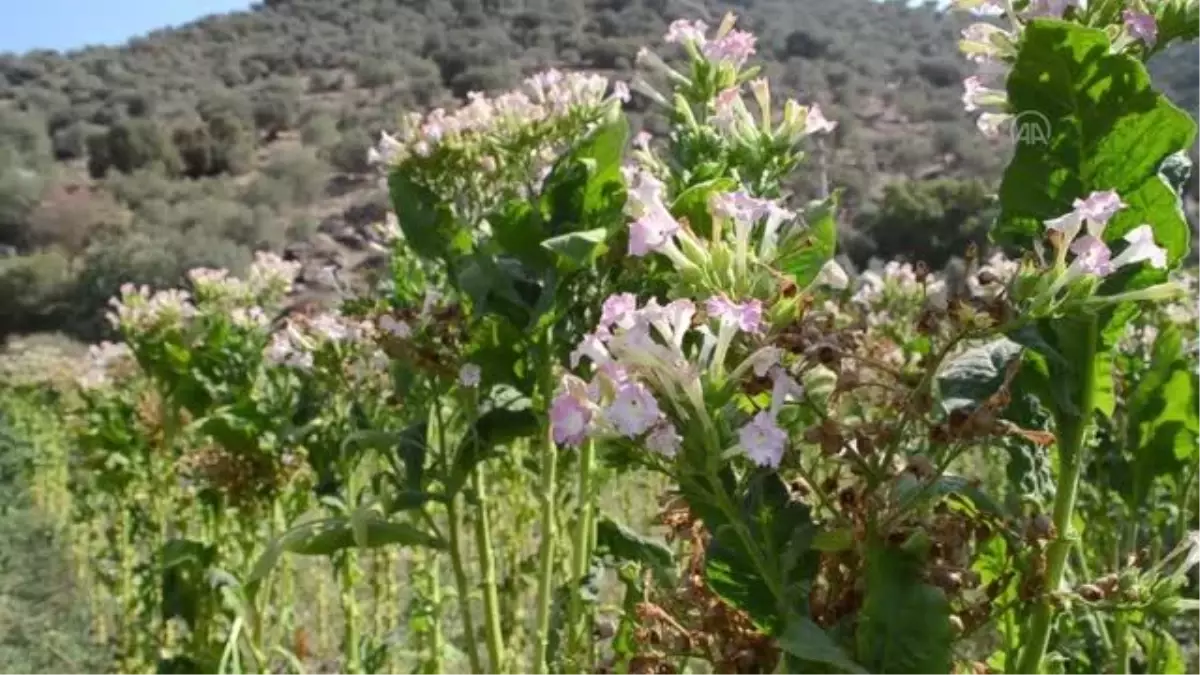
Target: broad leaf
{"type": "Point", "coordinates": [427, 224]}
{"type": "Point", "coordinates": [1106, 129]}
{"type": "Point", "coordinates": [806, 641]}
{"type": "Point", "coordinates": [973, 376]}
{"type": "Point", "coordinates": [493, 428]}
{"type": "Point", "coordinates": [622, 543]}
{"type": "Point", "coordinates": [904, 625]}
{"type": "Point", "coordinates": [804, 253]}
{"type": "Point", "coordinates": [1163, 424]}
{"type": "Point", "coordinates": [578, 249]}
{"type": "Point", "coordinates": [692, 204]}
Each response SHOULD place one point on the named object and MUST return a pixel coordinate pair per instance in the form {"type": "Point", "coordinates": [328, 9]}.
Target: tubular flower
{"type": "Point", "coordinates": [664, 440]}
{"type": "Point", "coordinates": [1141, 26]}
{"type": "Point", "coordinates": [1092, 256]}
{"type": "Point", "coordinates": [633, 410]}
{"type": "Point", "coordinates": [763, 441]}
{"type": "Point", "coordinates": [570, 413]}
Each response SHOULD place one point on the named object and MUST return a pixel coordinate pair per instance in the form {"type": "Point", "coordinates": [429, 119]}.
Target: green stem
{"type": "Point", "coordinates": [437, 641]}
{"type": "Point", "coordinates": [487, 562]}
{"type": "Point", "coordinates": [1071, 433]}
{"type": "Point", "coordinates": [546, 554]}
{"type": "Point", "coordinates": [462, 586]}
{"type": "Point", "coordinates": [1121, 642]}
{"type": "Point", "coordinates": [581, 553]}
{"type": "Point", "coordinates": [548, 533]}
{"type": "Point", "coordinates": [347, 579]}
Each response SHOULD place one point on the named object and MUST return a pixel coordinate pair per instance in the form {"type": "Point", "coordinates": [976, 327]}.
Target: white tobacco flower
{"type": "Point", "coordinates": [469, 375]}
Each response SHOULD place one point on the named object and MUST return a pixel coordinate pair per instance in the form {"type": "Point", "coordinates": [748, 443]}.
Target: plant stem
{"type": "Point", "coordinates": [347, 577]}
{"type": "Point", "coordinates": [487, 562]}
{"type": "Point", "coordinates": [1071, 434]}
{"type": "Point", "coordinates": [436, 639]}
{"type": "Point", "coordinates": [548, 533]}
{"type": "Point", "coordinates": [581, 553]}
{"type": "Point", "coordinates": [461, 585]}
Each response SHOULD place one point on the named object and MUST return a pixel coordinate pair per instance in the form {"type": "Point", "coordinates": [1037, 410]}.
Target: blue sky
{"type": "Point", "coordinates": [71, 24]}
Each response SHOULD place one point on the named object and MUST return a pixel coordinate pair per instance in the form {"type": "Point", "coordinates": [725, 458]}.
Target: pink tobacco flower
{"type": "Point", "coordinates": [763, 440]}
{"type": "Point", "coordinates": [1141, 26]}
{"type": "Point", "coordinates": [569, 419]}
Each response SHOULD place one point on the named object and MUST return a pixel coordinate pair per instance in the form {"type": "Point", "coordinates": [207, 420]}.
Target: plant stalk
{"type": "Point", "coordinates": [581, 553]}
{"type": "Point", "coordinates": [549, 527]}
{"type": "Point", "coordinates": [1071, 435]}
{"type": "Point", "coordinates": [487, 562]}
{"type": "Point", "coordinates": [462, 585]}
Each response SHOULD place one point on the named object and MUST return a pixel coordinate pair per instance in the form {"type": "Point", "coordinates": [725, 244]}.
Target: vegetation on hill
{"type": "Point", "coordinates": [198, 145]}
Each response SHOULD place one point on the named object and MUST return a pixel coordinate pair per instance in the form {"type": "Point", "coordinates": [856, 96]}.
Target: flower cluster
{"type": "Point", "coordinates": [1081, 231]}
{"type": "Point", "coordinates": [102, 360]}
{"type": "Point", "coordinates": [641, 355]}
{"type": "Point", "coordinates": [138, 310]}
{"type": "Point", "coordinates": [548, 96]}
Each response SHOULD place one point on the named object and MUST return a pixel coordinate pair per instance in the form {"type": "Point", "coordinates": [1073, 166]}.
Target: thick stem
{"type": "Point", "coordinates": [549, 527]}
{"type": "Point", "coordinates": [437, 641]}
{"type": "Point", "coordinates": [487, 562]}
{"type": "Point", "coordinates": [581, 554]}
{"type": "Point", "coordinates": [347, 579]}
{"type": "Point", "coordinates": [546, 553]}
{"type": "Point", "coordinates": [462, 586]}
{"type": "Point", "coordinates": [1071, 434]}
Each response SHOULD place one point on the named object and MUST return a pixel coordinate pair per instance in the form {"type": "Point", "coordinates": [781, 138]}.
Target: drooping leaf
{"type": "Point", "coordinates": [804, 254]}
{"type": "Point", "coordinates": [1106, 128]}
{"type": "Point", "coordinates": [907, 489]}
{"type": "Point", "coordinates": [578, 249]}
{"type": "Point", "coordinates": [426, 222]}
{"type": "Point", "coordinates": [1163, 424]}
{"type": "Point", "coordinates": [806, 641]}
{"type": "Point", "coordinates": [970, 378]}
{"type": "Point", "coordinates": [692, 204]}
{"type": "Point", "coordinates": [495, 427]}
{"type": "Point", "coordinates": [622, 543]}
{"type": "Point", "coordinates": [904, 624]}
{"type": "Point", "coordinates": [336, 534]}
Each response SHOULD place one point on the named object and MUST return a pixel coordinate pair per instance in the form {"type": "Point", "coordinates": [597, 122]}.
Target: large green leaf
{"type": "Point", "coordinates": [325, 536]}
{"type": "Point", "coordinates": [427, 224]}
{"type": "Point", "coordinates": [782, 530]}
{"type": "Point", "coordinates": [904, 625]}
{"type": "Point", "coordinates": [692, 204]}
{"type": "Point", "coordinates": [971, 377]}
{"type": "Point", "coordinates": [806, 641]}
{"type": "Point", "coordinates": [1107, 130]}
{"type": "Point", "coordinates": [578, 249]}
{"type": "Point", "coordinates": [585, 185]}
{"type": "Point", "coordinates": [495, 427]}
{"type": "Point", "coordinates": [334, 534]}
{"type": "Point", "coordinates": [803, 254]}
{"type": "Point", "coordinates": [1163, 423]}
{"type": "Point", "coordinates": [622, 543]}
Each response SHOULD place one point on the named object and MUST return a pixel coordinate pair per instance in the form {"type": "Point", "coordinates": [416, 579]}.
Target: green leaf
{"type": "Point", "coordinates": [1108, 130]}
{"type": "Point", "coordinates": [904, 624]}
{"type": "Point", "coordinates": [495, 427]}
{"type": "Point", "coordinates": [907, 489]}
{"type": "Point", "coordinates": [692, 204]}
{"type": "Point", "coordinates": [833, 541]}
{"type": "Point", "coordinates": [622, 543]}
{"type": "Point", "coordinates": [329, 535]}
{"type": "Point", "coordinates": [970, 378]}
{"type": "Point", "coordinates": [426, 222]}
{"type": "Point", "coordinates": [335, 534]}
{"type": "Point", "coordinates": [805, 640]}
{"type": "Point", "coordinates": [803, 254]}
{"type": "Point", "coordinates": [1163, 424]}
{"type": "Point", "coordinates": [585, 184]}
{"type": "Point", "coordinates": [1176, 20]}
{"type": "Point", "coordinates": [578, 249]}
{"type": "Point", "coordinates": [781, 529]}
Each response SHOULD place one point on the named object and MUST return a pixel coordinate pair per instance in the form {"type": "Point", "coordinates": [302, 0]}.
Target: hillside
{"type": "Point", "coordinates": [195, 146]}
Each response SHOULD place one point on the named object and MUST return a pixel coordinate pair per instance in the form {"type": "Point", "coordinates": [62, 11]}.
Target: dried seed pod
{"type": "Point", "coordinates": [1090, 592]}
